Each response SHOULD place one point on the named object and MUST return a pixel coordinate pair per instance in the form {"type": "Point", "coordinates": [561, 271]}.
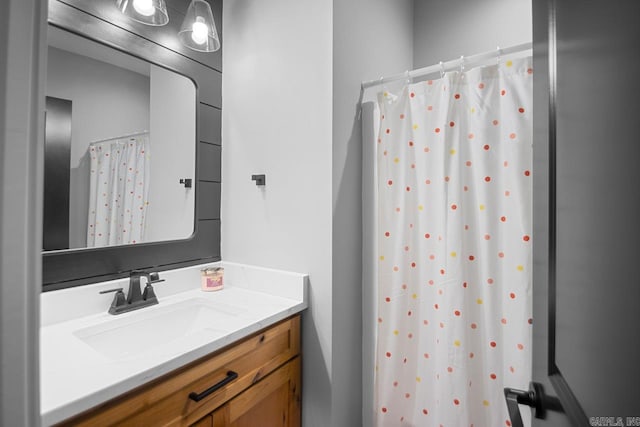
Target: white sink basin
{"type": "Point", "coordinates": [161, 328]}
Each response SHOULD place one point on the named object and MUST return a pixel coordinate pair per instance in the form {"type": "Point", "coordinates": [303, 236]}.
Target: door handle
{"type": "Point", "coordinates": [534, 397]}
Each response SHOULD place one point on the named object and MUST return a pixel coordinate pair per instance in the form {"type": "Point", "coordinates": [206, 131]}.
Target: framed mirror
{"type": "Point", "coordinates": [132, 163]}
{"type": "Point", "coordinates": [126, 131]}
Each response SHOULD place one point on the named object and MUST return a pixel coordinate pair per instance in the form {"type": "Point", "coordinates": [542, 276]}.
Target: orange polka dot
{"type": "Point", "coordinates": [495, 122]}
{"type": "Point", "coordinates": [512, 135]}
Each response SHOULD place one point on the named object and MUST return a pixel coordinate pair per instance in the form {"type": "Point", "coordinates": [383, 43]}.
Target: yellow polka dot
{"type": "Point", "coordinates": [418, 379]}
{"type": "Point", "coordinates": [485, 402]}
{"type": "Point", "coordinates": [520, 268]}
{"type": "Point", "coordinates": [453, 254]}
{"type": "Point", "coordinates": [509, 63]}
{"type": "Point", "coordinates": [420, 207]}
{"type": "Point", "coordinates": [415, 127]}
{"type": "Point", "coordinates": [414, 296]}
{"type": "Point", "coordinates": [479, 301]}
{"type": "Point", "coordinates": [381, 257]}
{"type": "Point", "coordinates": [452, 151]}
{"type": "Point", "coordinates": [396, 160]}
{"type": "Point", "coordinates": [395, 332]}
{"type": "Point", "coordinates": [386, 93]}
{"type": "Point", "coordinates": [481, 207]}
{"type": "Point", "coordinates": [473, 110]}
{"type": "Point", "coordinates": [456, 343]}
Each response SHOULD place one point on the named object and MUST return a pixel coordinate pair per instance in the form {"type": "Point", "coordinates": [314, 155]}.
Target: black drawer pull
{"type": "Point", "coordinates": [226, 380]}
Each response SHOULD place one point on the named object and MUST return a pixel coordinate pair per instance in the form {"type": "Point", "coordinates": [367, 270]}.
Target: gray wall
{"type": "Point", "coordinates": [22, 34]}
{"type": "Point", "coordinates": [447, 29]}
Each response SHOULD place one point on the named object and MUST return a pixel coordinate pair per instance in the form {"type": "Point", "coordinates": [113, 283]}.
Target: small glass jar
{"type": "Point", "coordinates": [212, 278]}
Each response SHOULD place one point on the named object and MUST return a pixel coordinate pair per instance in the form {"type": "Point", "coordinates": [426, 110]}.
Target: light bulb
{"type": "Point", "coordinates": [199, 31]}
{"type": "Point", "coordinates": [144, 7]}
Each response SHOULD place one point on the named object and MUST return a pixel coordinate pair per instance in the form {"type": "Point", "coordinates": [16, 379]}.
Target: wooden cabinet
{"type": "Point", "coordinates": [255, 381]}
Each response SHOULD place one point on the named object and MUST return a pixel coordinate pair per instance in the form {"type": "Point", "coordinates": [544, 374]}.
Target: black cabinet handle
{"type": "Point", "coordinates": [226, 380]}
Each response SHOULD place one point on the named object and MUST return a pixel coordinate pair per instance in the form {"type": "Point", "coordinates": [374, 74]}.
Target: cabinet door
{"type": "Point", "coordinates": [204, 422]}
{"type": "Point", "coordinates": [272, 402]}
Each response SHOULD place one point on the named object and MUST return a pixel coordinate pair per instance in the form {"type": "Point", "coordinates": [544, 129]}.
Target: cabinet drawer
{"type": "Point", "coordinates": [166, 402]}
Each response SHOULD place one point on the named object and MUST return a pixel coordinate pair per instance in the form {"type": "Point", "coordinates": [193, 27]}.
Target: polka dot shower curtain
{"type": "Point", "coordinates": [118, 190]}
{"type": "Point", "coordinates": [454, 247]}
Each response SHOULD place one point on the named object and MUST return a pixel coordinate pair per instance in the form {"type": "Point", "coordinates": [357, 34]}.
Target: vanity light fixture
{"type": "Point", "coordinates": [198, 30]}
{"type": "Point", "coordinates": [150, 12]}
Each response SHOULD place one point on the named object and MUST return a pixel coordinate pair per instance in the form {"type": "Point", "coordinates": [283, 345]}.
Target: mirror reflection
{"type": "Point", "coordinates": [120, 145]}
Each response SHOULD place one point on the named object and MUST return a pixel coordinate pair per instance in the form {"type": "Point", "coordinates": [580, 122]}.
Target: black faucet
{"type": "Point", "coordinates": [136, 298]}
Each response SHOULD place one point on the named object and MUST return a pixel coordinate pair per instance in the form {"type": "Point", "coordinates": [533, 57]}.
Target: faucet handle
{"type": "Point", "coordinates": [155, 278]}
{"type": "Point", "coordinates": [119, 300]}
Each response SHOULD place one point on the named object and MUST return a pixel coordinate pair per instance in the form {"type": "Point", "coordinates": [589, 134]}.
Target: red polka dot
{"type": "Point", "coordinates": [503, 92]}
{"type": "Point", "coordinates": [471, 355]}
{"type": "Point", "coordinates": [493, 376]}
{"type": "Point", "coordinates": [401, 116]}
{"type": "Point", "coordinates": [487, 147]}
{"type": "Point", "coordinates": [390, 182]}
{"type": "Point", "coordinates": [505, 164]}
{"type": "Point", "coordinates": [481, 86]}
{"type": "Point", "coordinates": [487, 179]}
{"type": "Point", "coordinates": [464, 284]}
{"type": "Point", "coordinates": [495, 122]}
{"type": "Point", "coordinates": [493, 344]}
{"type": "Point", "coordinates": [456, 402]}
{"type": "Point", "coordinates": [436, 306]}
{"type": "Point", "coordinates": [530, 321]}
{"type": "Point", "coordinates": [452, 124]}
{"type": "Point", "coordinates": [529, 70]}
{"type": "Point", "coordinates": [520, 347]}
{"type": "Point", "coordinates": [456, 96]}
{"type": "Point", "coordinates": [388, 131]}
{"type": "Point", "coordinates": [410, 143]}
{"type": "Point", "coordinates": [503, 218]}
{"type": "Point", "coordinates": [437, 130]}
{"type": "Point", "coordinates": [408, 188]}
{"type": "Point", "coordinates": [413, 265]}
{"type": "Point", "coordinates": [471, 136]}
{"type": "Point", "coordinates": [407, 395]}
{"type": "Point", "coordinates": [426, 355]}
{"type": "Point", "coordinates": [441, 325]}
{"type": "Point", "coordinates": [512, 369]}
{"type": "Point", "coordinates": [490, 281]}
{"type": "Point", "coordinates": [454, 207]}
{"type": "Point", "coordinates": [387, 234]}
{"type": "Point", "coordinates": [395, 383]}
{"type": "Point", "coordinates": [527, 173]}
{"type": "Point", "coordinates": [501, 254]}
{"type": "Point", "coordinates": [442, 271]}
{"type": "Point", "coordinates": [412, 94]}
{"type": "Point", "coordinates": [446, 179]}
{"type": "Point", "coordinates": [427, 235]}
{"type": "Point", "coordinates": [457, 312]}
{"type": "Point", "coordinates": [384, 410]}
{"type": "Point", "coordinates": [387, 299]}
{"type": "Point", "coordinates": [425, 412]}
{"type": "Point", "coordinates": [468, 163]}
{"type": "Point", "coordinates": [449, 369]}
{"type": "Point", "coordinates": [430, 108]}
{"type": "Point", "coordinates": [474, 326]}
{"type": "Point", "coordinates": [428, 181]}
{"type": "Point", "coordinates": [521, 110]}
{"type": "Point", "coordinates": [388, 354]}
{"type": "Point", "coordinates": [526, 238]}
{"type": "Point", "coordinates": [512, 295]}
{"type": "Point", "coordinates": [471, 257]}
{"type": "Point", "coordinates": [487, 237]}
{"type": "Point", "coordinates": [512, 135]}
{"type": "Point", "coordinates": [508, 423]}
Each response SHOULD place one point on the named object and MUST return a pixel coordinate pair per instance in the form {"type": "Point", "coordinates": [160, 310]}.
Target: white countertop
{"type": "Point", "coordinates": [75, 377]}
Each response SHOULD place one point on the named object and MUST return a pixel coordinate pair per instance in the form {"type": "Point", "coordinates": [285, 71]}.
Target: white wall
{"type": "Point", "coordinates": [372, 38]}
{"type": "Point", "coordinates": [276, 119]}
{"type": "Point", "coordinates": [445, 30]}
{"type": "Point", "coordinates": [107, 102]}
{"type": "Point", "coordinates": [172, 131]}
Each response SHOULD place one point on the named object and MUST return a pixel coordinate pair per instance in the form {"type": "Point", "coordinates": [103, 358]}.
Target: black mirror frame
{"type": "Point", "coordinates": [63, 269]}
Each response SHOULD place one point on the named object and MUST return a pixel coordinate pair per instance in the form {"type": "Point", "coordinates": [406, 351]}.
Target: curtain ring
{"type": "Point", "coordinates": [441, 69]}
{"type": "Point", "coordinates": [462, 64]}
{"type": "Point", "coordinates": [408, 77]}
{"type": "Point", "coordinates": [498, 53]}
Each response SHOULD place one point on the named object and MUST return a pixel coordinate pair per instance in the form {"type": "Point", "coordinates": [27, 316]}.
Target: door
{"type": "Point", "coordinates": [587, 211]}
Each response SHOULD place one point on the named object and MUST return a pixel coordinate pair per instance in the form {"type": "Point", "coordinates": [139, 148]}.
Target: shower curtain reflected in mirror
{"type": "Point", "coordinates": [119, 189]}
{"type": "Point", "coordinates": [454, 256]}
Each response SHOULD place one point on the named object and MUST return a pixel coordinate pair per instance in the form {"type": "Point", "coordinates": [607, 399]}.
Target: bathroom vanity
{"type": "Point", "coordinates": [223, 358]}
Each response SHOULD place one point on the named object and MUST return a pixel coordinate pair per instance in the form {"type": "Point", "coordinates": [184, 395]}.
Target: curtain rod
{"type": "Point", "coordinates": [129, 135]}
{"type": "Point", "coordinates": [443, 66]}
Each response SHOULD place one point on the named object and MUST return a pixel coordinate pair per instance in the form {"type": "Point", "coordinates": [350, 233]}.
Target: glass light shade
{"type": "Point", "coordinates": [150, 12]}
{"type": "Point", "coordinates": [198, 30]}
